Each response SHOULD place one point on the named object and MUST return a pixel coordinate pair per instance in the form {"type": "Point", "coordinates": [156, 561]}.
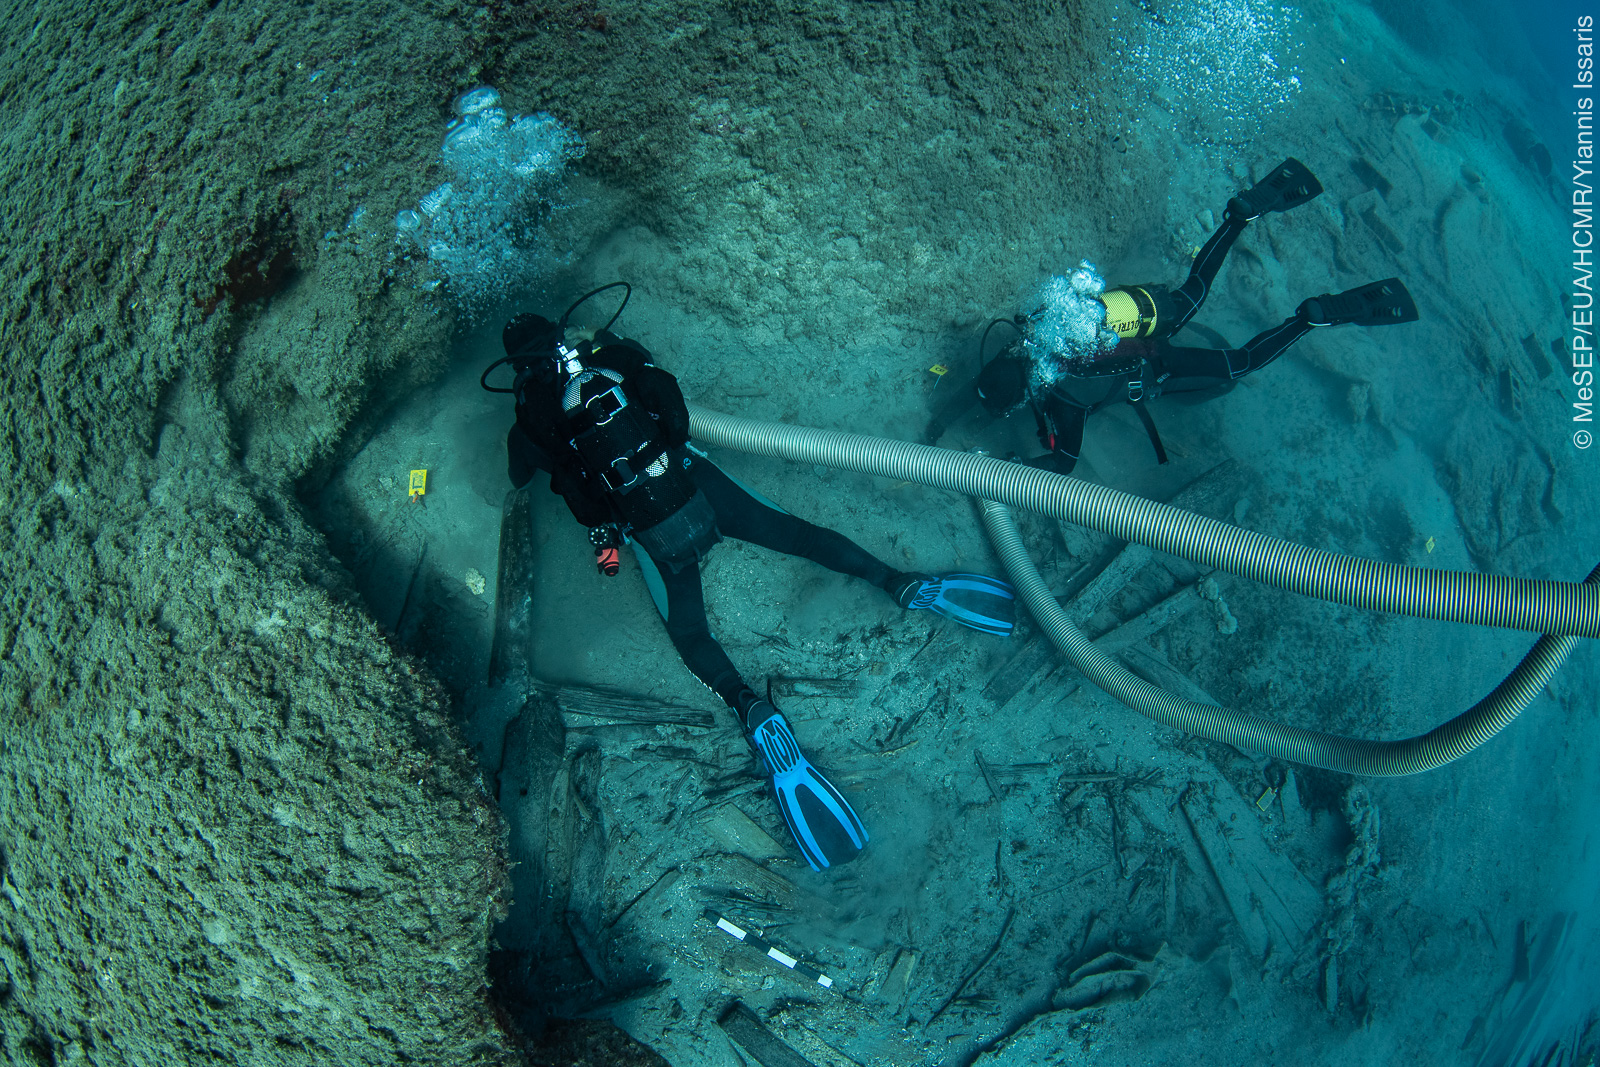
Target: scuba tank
{"type": "Point", "coordinates": [1138, 311]}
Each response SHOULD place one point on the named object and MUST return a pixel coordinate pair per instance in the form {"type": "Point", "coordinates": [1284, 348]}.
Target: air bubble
{"type": "Point", "coordinates": [1069, 329]}
{"type": "Point", "coordinates": [504, 171]}
{"type": "Point", "coordinates": [475, 100]}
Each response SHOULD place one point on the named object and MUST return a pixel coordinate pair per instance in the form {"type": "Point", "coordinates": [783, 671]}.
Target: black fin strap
{"type": "Point", "coordinates": [1142, 409]}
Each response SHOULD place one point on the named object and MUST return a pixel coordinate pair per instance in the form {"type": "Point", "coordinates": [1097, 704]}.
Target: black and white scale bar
{"type": "Point", "coordinates": [739, 933]}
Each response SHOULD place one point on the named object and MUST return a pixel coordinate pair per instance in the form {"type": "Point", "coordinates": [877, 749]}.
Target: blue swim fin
{"type": "Point", "coordinates": [974, 600]}
{"type": "Point", "coordinates": [823, 823]}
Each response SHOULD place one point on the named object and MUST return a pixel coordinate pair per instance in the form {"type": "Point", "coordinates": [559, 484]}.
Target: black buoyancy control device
{"type": "Point", "coordinates": [618, 442]}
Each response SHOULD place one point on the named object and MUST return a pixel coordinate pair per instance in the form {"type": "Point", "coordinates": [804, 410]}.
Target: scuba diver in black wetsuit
{"type": "Point", "coordinates": [1089, 346]}
{"type": "Point", "coordinates": [612, 429]}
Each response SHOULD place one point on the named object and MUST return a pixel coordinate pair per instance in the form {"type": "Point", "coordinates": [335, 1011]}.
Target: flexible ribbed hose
{"type": "Point", "coordinates": [1413, 755]}
{"type": "Point", "coordinates": [1537, 606]}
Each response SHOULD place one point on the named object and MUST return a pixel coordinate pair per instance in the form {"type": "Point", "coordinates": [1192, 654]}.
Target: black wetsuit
{"type": "Point", "coordinates": [1157, 366]}
{"type": "Point", "coordinates": [541, 440]}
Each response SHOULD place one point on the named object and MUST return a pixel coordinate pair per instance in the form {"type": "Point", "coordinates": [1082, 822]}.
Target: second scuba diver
{"type": "Point", "coordinates": [1088, 346]}
{"type": "Point", "coordinates": [612, 430]}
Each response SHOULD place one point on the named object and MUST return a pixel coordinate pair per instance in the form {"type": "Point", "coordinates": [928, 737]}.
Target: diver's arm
{"type": "Point", "coordinates": [661, 396]}
{"type": "Point", "coordinates": [1060, 421]}
{"type": "Point", "coordinates": [526, 458]}
{"type": "Point", "coordinates": [956, 404]}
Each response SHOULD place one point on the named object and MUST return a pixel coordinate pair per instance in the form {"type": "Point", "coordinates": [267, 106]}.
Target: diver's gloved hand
{"type": "Point", "coordinates": [607, 542]}
{"type": "Point", "coordinates": [824, 825]}
{"type": "Point", "coordinates": [974, 600]}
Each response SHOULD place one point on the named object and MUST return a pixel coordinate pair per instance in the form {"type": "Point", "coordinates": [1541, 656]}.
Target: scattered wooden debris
{"type": "Point", "coordinates": [774, 639]}
{"type": "Point", "coordinates": [895, 739]}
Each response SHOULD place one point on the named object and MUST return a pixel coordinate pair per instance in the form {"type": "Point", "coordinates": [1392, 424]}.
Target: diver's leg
{"type": "Point", "coordinates": [1196, 368]}
{"type": "Point", "coordinates": [1188, 297]}
{"type": "Point", "coordinates": [825, 827]}
{"type": "Point", "coordinates": [1288, 186]}
{"type": "Point", "coordinates": [742, 516]}
{"type": "Point", "coordinates": [685, 616]}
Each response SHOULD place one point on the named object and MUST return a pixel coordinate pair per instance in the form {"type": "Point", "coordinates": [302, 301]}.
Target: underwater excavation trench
{"type": "Point", "coordinates": [1560, 611]}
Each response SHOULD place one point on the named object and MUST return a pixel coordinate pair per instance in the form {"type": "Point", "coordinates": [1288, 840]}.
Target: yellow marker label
{"type": "Point", "coordinates": [940, 369]}
{"type": "Point", "coordinates": [419, 483]}
{"type": "Point", "coordinates": [1429, 546]}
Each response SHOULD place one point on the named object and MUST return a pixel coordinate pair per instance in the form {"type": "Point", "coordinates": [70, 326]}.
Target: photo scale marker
{"type": "Point", "coordinates": [771, 951]}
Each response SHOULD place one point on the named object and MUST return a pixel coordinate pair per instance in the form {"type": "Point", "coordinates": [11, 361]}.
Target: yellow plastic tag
{"type": "Point", "coordinates": [1429, 546]}
{"type": "Point", "coordinates": [940, 369]}
{"type": "Point", "coordinates": [419, 483]}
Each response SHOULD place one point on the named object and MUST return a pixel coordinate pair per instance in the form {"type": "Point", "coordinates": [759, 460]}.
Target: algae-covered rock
{"type": "Point", "coordinates": [234, 827]}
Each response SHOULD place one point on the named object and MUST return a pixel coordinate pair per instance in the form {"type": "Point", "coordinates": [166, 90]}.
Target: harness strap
{"type": "Point", "coordinates": [1142, 409]}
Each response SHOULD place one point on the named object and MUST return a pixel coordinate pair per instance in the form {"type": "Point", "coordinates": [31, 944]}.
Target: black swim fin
{"type": "Point", "coordinates": [1385, 303]}
{"type": "Point", "coordinates": [821, 820]}
{"type": "Point", "coordinates": [1289, 185]}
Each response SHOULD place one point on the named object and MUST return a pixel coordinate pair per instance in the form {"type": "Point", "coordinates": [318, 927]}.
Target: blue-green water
{"type": "Point", "coordinates": [298, 768]}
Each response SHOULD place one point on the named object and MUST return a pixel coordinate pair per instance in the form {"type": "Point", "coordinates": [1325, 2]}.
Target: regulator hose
{"type": "Point", "coordinates": [1560, 609]}
{"type": "Point", "coordinates": [1443, 744]}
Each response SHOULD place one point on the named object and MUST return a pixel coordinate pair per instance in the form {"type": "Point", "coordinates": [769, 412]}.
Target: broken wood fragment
{"type": "Point", "coordinates": [1148, 622]}
{"type": "Point", "coordinates": [751, 1034]}
{"type": "Point", "coordinates": [597, 702]}
{"type": "Point", "coordinates": [987, 958]}
{"type": "Point", "coordinates": [841, 688]}
{"type": "Point", "coordinates": [1275, 906]}
{"type": "Point", "coordinates": [737, 832]}
{"type": "Point", "coordinates": [988, 775]}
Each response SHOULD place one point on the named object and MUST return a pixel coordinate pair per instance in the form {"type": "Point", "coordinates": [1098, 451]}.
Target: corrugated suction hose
{"type": "Point", "coordinates": [1562, 611]}
{"type": "Point", "coordinates": [1439, 746]}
